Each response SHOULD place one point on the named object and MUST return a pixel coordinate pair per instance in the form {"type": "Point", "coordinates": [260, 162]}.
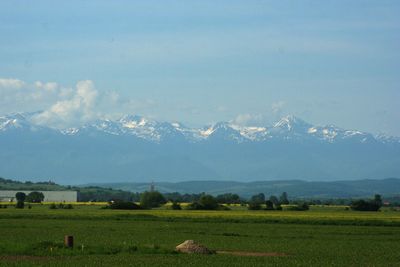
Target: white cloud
{"type": "Point", "coordinates": [275, 112]}
{"type": "Point", "coordinates": [77, 109]}
{"type": "Point", "coordinates": [61, 107]}
{"type": "Point", "coordinates": [277, 107]}
{"type": "Point", "coordinates": [11, 83]}
{"type": "Point", "coordinates": [50, 86]}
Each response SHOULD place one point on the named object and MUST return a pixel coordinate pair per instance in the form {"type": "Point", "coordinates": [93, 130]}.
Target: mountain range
{"type": "Point", "coordinates": [135, 148]}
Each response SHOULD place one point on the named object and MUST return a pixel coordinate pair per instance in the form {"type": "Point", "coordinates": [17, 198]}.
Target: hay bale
{"type": "Point", "coordinates": [190, 246]}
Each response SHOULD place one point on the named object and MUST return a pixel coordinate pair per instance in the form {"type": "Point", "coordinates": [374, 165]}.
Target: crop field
{"type": "Point", "coordinates": [320, 237]}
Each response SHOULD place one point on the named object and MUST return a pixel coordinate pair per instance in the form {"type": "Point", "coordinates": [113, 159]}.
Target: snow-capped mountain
{"type": "Point", "coordinates": [289, 127]}
{"type": "Point", "coordinates": [138, 148]}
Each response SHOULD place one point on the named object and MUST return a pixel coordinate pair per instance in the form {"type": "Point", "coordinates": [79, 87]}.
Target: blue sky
{"type": "Point", "coordinates": [204, 61]}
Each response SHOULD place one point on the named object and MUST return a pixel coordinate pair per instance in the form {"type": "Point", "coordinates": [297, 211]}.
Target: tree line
{"type": "Point", "coordinates": [203, 201]}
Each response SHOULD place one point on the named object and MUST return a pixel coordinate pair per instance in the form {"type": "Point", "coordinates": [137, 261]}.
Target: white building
{"type": "Point", "coordinates": [49, 196]}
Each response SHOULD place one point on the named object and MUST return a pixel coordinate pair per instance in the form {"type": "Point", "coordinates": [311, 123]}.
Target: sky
{"type": "Point", "coordinates": [199, 62]}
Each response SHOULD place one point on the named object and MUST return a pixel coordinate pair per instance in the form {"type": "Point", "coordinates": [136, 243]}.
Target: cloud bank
{"type": "Point", "coordinates": [58, 106]}
{"type": "Point", "coordinates": [55, 105]}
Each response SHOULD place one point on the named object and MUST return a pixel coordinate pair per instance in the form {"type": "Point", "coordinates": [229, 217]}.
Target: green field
{"type": "Point", "coordinates": [320, 237]}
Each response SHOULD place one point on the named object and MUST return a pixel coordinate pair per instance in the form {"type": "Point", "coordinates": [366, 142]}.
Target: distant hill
{"type": "Point", "coordinates": [86, 193]}
{"type": "Point", "coordinates": [295, 188]}
{"type": "Point", "coordinates": [8, 184]}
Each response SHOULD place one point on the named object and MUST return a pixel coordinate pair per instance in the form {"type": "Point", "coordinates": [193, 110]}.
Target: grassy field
{"type": "Point", "coordinates": [320, 237]}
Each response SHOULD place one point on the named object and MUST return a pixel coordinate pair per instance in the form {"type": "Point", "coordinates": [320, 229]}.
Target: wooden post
{"type": "Point", "coordinates": [69, 241]}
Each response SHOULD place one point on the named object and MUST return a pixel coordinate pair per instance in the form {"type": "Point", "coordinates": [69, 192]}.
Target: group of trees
{"type": "Point", "coordinates": [32, 197]}
{"type": "Point", "coordinates": [227, 198]}
{"type": "Point", "coordinates": [272, 203]}
{"type": "Point", "coordinates": [148, 200]}
{"type": "Point", "coordinates": [155, 199]}
{"type": "Point", "coordinates": [367, 205]}
{"type": "Point", "coordinates": [100, 194]}
{"type": "Point", "coordinates": [206, 202]}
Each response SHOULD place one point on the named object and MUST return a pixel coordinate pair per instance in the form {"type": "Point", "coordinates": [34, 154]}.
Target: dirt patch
{"type": "Point", "coordinates": [253, 254]}
{"type": "Point", "coordinates": [23, 258]}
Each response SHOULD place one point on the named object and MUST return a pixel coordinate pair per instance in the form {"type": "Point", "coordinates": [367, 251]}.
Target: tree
{"type": "Point", "coordinates": [20, 196]}
{"type": "Point", "coordinates": [284, 199]}
{"type": "Point", "coordinates": [274, 200]}
{"type": "Point", "coordinates": [256, 201]}
{"type": "Point", "coordinates": [269, 205]}
{"type": "Point", "coordinates": [151, 199]}
{"type": "Point", "coordinates": [20, 205]}
{"type": "Point", "coordinates": [378, 200]}
{"type": "Point", "coordinates": [35, 197]}
{"type": "Point", "coordinates": [258, 198]}
{"type": "Point", "coordinates": [228, 198]}
{"type": "Point", "coordinates": [208, 202]}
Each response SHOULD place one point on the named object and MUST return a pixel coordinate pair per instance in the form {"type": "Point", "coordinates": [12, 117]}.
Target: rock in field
{"type": "Point", "coordinates": [190, 246]}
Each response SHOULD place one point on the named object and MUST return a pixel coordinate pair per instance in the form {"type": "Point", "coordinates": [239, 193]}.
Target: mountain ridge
{"type": "Point", "coordinates": [138, 149]}
{"type": "Point", "coordinates": [287, 127]}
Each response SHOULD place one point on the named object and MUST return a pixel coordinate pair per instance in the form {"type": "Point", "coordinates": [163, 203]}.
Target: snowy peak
{"type": "Point", "coordinates": [133, 121]}
{"type": "Point", "coordinates": [291, 123]}
{"type": "Point", "coordinates": [223, 131]}
{"type": "Point", "coordinates": [17, 122]}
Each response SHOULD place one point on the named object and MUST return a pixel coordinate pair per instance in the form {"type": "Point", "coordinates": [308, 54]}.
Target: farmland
{"type": "Point", "coordinates": [323, 236]}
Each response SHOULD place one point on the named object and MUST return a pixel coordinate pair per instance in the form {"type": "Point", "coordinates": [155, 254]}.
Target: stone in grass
{"type": "Point", "coordinates": [191, 246]}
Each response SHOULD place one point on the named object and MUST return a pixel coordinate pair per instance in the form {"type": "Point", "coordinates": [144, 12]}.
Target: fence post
{"type": "Point", "coordinates": [69, 241]}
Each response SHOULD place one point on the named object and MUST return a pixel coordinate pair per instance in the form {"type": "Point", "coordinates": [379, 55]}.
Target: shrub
{"type": "Point", "coordinates": [53, 206]}
{"type": "Point", "coordinates": [123, 205]}
{"type": "Point", "coordinates": [68, 207]}
{"type": "Point", "coordinates": [303, 206]}
{"type": "Point", "coordinates": [299, 207]}
{"type": "Point", "coordinates": [222, 207]}
{"type": "Point", "coordinates": [194, 206]}
{"type": "Point", "coordinates": [254, 206]}
{"type": "Point", "coordinates": [176, 206]}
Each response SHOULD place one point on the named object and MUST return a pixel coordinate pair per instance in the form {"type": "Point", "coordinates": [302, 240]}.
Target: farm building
{"type": "Point", "coordinates": [49, 196]}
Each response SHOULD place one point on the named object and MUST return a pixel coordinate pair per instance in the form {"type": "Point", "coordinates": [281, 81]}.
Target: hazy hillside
{"type": "Point", "coordinates": [295, 188]}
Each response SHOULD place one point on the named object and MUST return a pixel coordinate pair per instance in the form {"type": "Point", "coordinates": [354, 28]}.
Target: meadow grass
{"type": "Point", "coordinates": [148, 237]}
